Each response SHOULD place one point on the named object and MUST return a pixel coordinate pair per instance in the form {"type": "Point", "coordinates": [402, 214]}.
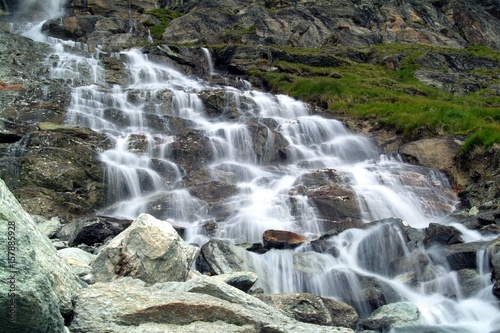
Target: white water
{"type": "Point", "coordinates": [142, 176]}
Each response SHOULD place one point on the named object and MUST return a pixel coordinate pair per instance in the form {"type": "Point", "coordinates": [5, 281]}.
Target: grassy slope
{"type": "Point", "coordinates": [394, 97]}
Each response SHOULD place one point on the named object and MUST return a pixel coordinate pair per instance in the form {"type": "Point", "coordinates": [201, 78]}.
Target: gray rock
{"type": "Point", "coordinates": [42, 283]}
{"type": "Point", "coordinates": [150, 250]}
{"type": "Point", "coordinates": [78, 259]}
{"type": "Point", "coordinates": [399, 314]}
{"type": "Point", "coordinates": [223, 257]}
{"type": "Point", "coordinates": [48, 227]}
{"type": "Point", "coordinates": [212, 306]}
{"type": "Point", "coordinates": [240, 280]}
{"type": "Point", "coordinates": [312, 309]}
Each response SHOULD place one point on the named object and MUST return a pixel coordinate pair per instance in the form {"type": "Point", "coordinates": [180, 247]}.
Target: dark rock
{"type": "Point", "coordinates": [460, 256]}
{"type": "Point", "coordinates": [72, 27]}
{"type": "Point", "coordinates": [91, 230]}
{"type": "Point", "coordinates": [438, 234]}
{"type": "Point", "coordinates": [191, 150]}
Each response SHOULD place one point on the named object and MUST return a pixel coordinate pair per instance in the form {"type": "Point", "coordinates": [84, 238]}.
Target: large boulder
{"type": "Point", "coordinates": [198, 305]}
{"type": "Point", "coordinates": [150, 250]}
{"type": "Point", "coordinates": [38, 287]}
{"type": "Point", "coordinates": [312, 309]}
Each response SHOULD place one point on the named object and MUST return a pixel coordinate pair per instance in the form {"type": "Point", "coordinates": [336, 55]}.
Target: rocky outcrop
{"type": "Point", "coordinates": [36, 280]}
{"type": "Point", "coordinates": [58, 172]}
{"type": "Point", "coordinates": [150, 250]}
{"type": "Point", "coordinates": [316, 23]}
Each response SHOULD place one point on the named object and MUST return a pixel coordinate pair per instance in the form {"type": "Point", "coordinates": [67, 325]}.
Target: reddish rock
{"type": "Point", "coordinates": [280, 239]}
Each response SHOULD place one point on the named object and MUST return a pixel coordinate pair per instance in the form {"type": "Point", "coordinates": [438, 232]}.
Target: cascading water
{"type": "Point", "coordinates": [143, 176]}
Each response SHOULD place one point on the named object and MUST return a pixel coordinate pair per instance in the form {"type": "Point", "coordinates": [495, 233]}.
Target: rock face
{"type": "Point", "coordinates": [60, 172]}
{"type": "Point", "coordinates": [208, 306]}
{"type": "Point", "coordinates": [150, 250]}
{"type": "Point", "coordinates": [315, 23]}
{"type": "Point", "coordinates": [36, 280]}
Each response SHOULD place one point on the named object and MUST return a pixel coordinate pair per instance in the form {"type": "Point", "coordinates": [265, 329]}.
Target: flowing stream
{"type": "Point", "coordinates": [142, 112]}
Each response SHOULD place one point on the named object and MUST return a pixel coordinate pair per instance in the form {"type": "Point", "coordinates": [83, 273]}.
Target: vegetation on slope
{"type": "Point", "coordinates": [394, 98]}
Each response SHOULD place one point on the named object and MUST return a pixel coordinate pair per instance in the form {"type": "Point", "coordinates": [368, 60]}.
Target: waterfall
{"type": "Point", "coordinates": [208, 59]}
{"type": "Point", "coordinates": [144, 175]}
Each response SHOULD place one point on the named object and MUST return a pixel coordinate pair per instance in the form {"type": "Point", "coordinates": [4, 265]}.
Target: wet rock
{"type": "Point", "coordinates": [281, 239]}
{"type": "Point", "coordinates": [312, 309]}
{"type": "Point", "coordinates": [399, 314]}
{"type": "Point", "coordinates": [438, 234]}
{"type": "Point", "coordinates": [191, 150]}
{"type": "Point", "coordinates": [436, 153]}
{"type": "Point", "coordinates": [213, 191]}
{"type": "Point", "coordinates": [385, 239]}
{"type": "Point", "coordinates": [71, 27]}
{"type": "Point", "coordinates": [150, 250]}
{"type": "Point", "coordinates": [470, 282]}
{"type": "Point", "coordinates": [209, 306]}
{"type": "Point", "coordinates": [91, 230]}
{"type": "Point", "coordinates": [165, 205]}
{"type": "Point", "coordinates": [494, 249]}
{"type": "Point", "coordinates": [31, 269]}
{"type": "Point", "coordinates": [268, 144]}
{"type": "Point", "coordinates": [335, 203]}
{"type": "Point", "coordinates": [460, 256]}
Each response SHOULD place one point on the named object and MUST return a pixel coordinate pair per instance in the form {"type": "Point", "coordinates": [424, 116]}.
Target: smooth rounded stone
{"type": "Point", "coordinates": [48, 227]}
{"type": "Point", "coordinates": [42, 282]}
{"type": "Point", "coordinates": [281, 239]}
{"type": "Point", "coordinates": [313, 309]}
{"type": "Point", "coordinates": [150, 250]}
{"type": "Point", "coordinates": [399, 314]}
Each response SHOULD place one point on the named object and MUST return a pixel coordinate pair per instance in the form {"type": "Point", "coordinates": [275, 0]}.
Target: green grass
{"type": "Point", "coordinates": [395, 98]}
{"type": "Point", "coordinates": [164, 15]}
